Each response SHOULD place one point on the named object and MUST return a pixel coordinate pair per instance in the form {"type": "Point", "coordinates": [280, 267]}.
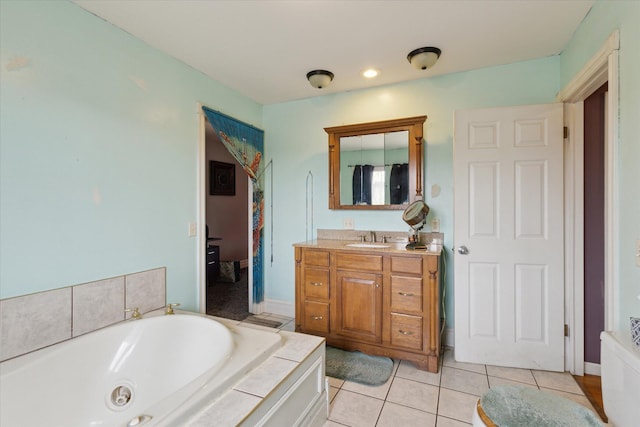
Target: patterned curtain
{"type": "Point", "coordinates": [246, 144]}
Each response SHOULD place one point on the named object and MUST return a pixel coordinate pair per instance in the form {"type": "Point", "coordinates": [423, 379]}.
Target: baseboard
{"type": "Point", "coordinates": [592, 368]}
{"type": "Point", "coordinates": [281, 308]}
{"type": "Point", "coordinates": [448, 337]}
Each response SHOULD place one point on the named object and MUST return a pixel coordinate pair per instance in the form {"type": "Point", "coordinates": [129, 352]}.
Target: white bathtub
{"type": "Point", "coordinates": [171, 366]}
{"type": "Point", "coordinates": [620, 370]}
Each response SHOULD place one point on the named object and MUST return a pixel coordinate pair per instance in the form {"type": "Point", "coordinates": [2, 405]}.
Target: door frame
{"type": "Point", "coordinates": [601, 68]}
{"type": "Point", "coordinates": [201, 204]}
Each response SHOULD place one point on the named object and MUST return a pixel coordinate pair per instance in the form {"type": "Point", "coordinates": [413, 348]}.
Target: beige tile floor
{"type": "Point", "coordinates": [447, 399]}
{"type": "Point", "coordinates": [417, 398]}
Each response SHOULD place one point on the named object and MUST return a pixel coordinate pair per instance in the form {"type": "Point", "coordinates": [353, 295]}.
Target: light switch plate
{"type": "Point", "coordinates": [347, 223]}
{"type": "Point", "coordinates": [435, 225]}
{"type": "Point", "coordinates": [638, 256]}
{"type": "Point", "coordinates": [192, 229]}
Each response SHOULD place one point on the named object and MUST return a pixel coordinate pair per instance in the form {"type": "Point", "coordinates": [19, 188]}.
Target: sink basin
{"type": "Point", "coordinates": [367, 245]}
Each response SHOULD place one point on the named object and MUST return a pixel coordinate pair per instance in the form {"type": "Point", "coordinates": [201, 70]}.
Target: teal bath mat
{"type": "Point", "coordinates": [358, 367]}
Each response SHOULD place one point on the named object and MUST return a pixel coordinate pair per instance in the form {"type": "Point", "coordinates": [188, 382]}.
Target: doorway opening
{"type": "Point", "coordinates": [227, 233]}
{"type": "Point", "coordinates": [594, 230]}
{"type": "Point", "coordinates": [601, 69]}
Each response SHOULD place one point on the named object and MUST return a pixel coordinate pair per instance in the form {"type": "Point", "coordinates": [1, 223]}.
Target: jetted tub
{"type": "Point", "coordinates": [154, 371]}
{"type": "Point", "coordinates": [620, 370]}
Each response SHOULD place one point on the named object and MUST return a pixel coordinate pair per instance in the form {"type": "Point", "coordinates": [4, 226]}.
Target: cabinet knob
{"type": "Point", "coordinates": [377, 285]}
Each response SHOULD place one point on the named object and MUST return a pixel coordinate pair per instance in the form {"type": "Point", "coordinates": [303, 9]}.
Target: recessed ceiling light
{"type": "Point", "coordinates": [370, 73]}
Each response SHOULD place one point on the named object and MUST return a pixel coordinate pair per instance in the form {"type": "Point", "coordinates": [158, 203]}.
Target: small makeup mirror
{"type": "Point", "coordinates": [415, 215]}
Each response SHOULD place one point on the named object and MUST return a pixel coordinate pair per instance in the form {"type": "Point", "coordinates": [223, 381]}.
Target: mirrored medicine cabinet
{"type": "Point", "coordinates": [377, 165]}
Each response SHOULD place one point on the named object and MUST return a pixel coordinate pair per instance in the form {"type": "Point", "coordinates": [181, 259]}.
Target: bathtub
{"type": "Point", "coordinates": [153, 371]}
{"type": "Point", "coordinates": [620, 370]}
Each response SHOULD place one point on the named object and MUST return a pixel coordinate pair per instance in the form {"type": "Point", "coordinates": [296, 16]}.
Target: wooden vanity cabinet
{"type": "Point", "coordinates": [383, 303]}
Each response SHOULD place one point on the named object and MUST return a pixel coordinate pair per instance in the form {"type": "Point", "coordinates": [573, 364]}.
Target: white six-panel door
{"type": "Point", "coordinates": [508, 236]}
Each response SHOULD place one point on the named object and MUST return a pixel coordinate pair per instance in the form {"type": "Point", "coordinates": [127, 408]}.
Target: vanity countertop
{"type": "Point", "coordinates": [349, 245]}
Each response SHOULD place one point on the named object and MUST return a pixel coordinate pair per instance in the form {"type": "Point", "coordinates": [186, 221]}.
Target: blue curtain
{"type": "Point", "coordinates": [246, 145]}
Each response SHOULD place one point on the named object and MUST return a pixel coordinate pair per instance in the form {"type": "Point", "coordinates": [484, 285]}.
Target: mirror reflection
{"type": "Point", "coordinates": [374, 169]}
{"type": "Point", "coordinates": [376, 165]}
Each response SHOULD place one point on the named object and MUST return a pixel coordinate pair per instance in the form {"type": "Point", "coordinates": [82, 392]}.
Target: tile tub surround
{"type": "Point", "coordinates": [34, 321]}
{"type": "Point", "coordinates": [246, 402]}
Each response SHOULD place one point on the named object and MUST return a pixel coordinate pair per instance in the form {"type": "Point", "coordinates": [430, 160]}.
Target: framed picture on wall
{"type": "Point", "coordinates": [222, 178]}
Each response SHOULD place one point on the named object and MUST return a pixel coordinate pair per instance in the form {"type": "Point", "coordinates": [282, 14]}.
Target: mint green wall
{"type": "Point", "coordinates": [98, 149]}
{"type": "Point", "coordinates": [604, 18]}
{"type": "Point", "coordinates": [296, 140]}
{"type": "Point", "coordinates": [98, 145]}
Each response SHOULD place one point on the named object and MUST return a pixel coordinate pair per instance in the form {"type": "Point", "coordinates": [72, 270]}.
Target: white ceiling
{"type": "Point", "coordinates": [264, 48]}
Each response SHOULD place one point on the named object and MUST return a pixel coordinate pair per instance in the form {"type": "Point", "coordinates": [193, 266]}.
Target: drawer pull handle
{"type": "Point", "coordinates": [316, 317]}
{"type": "Point", "coordinates": [407, 294]}
{"type": "Point", "coordinates": [316, 283]}
{"type": "Point", "coordinates": [211, 263]}
{"type": "Point", "coordinates": [405, 332]}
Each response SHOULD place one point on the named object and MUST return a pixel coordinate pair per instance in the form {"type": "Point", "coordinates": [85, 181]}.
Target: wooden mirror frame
{"type": "Point", "coordinates": [414, 126]}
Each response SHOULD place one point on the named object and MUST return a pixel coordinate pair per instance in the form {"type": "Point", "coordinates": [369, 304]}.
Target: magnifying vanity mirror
{"type": "Point", "coordinates": [377, 165]}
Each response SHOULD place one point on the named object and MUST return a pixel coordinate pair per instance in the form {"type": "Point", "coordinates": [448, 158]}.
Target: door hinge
{"type": "Point", "coordinates": [566, 330]}
{"type": "Point", "coordinates": [565, 132]}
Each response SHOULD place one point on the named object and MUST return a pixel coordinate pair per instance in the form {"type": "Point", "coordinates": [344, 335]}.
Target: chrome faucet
{"type": "Point", "coordinates": [373, 236]}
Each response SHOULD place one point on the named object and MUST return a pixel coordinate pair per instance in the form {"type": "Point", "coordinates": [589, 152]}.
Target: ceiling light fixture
{"type": "Point", "coordinates": [370, 73]}
{"type": "Point", "coordinates": [320, 78]}
{"type": "Point", "coordinates": [424, 57]}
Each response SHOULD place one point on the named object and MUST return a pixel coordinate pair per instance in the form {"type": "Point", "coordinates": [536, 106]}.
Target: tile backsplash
{"type": "Point", "coordinates": [30, 322]}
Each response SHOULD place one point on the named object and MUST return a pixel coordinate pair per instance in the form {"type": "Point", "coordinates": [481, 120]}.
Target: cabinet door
{"type": "Point", "coordinates": [359, 305]}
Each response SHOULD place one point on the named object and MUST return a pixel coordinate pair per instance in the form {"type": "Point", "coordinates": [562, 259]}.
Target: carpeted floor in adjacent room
{"type": "Point", "coordinates": [229, 300]}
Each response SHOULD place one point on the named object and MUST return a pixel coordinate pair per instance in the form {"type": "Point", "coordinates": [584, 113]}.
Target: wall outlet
{"type": "Point", "coordinates": [347, 223]}
{"type": "Point", "coordinates": [192, 229]}
{"type": "Point", "coordinates": [435, 225]}
{"type": "Point", "coordinates": [638, 256]}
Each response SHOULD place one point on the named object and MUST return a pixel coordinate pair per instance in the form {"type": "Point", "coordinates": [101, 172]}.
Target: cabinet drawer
{"type": "Point", "coordinates": [402, 264]}
{"type": "Point", "coordinates": [406, 294]}
{"type": "Point", "coordinates": [316, 316]}
{"type": "Point", "coordinates": [316, 283]}
{"type": "Point", "coordinates": [406, 331]}
{"type": "Point", "coordinates": [359, 262]}
{"type": "Point", "coordinates": [315, 258]}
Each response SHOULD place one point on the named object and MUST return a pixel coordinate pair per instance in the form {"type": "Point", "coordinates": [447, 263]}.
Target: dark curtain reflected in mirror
{"type": "Point", "coordinates": [399, 183]}
{"type": "Point", "coordinates": [362, 179]}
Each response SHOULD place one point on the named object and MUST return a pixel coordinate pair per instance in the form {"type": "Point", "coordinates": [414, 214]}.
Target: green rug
{"type": "Point", "coordinates": [358, 367]}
